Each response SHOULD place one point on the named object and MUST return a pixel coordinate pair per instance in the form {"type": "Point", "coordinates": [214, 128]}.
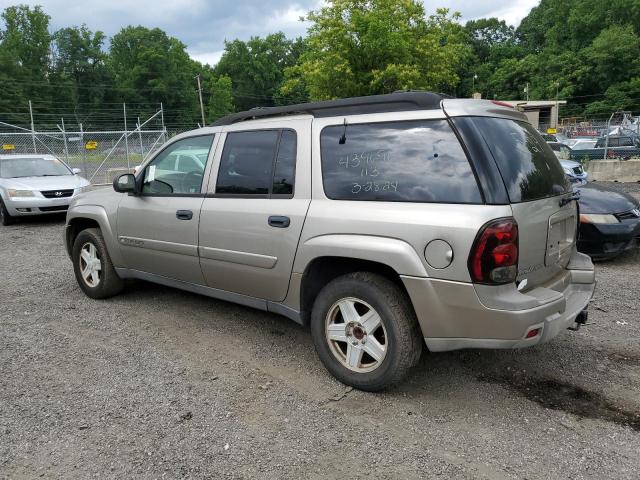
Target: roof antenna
{"type": "Point", "coordinates": [343, 138]}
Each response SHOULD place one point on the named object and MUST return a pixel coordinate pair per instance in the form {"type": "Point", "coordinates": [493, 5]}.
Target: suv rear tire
{"type": "Point", "coordinates": [365, 331]}
{"type": "Point", "coordinates": [92, 265]}
{"type": "Point", "coordinates": [5, 218]}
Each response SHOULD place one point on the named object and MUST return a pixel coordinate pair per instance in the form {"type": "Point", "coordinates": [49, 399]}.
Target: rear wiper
{"type": "Point", "coordinates": [574, 196]}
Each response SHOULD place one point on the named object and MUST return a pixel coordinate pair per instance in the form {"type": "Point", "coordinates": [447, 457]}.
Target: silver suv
{"type": "Point", "coordinates": [378, 221]}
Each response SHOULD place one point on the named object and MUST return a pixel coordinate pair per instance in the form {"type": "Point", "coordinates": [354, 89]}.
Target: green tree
{"type": "Point", "coordinates": [491, 41]}
{"type": "Point", "coordinates": [256, 68]}
{"type": "Point", "coordinates": [79, 70]}
{"type": "Point", "coordinates": [150, 67]}
{"type": "Point", "coordinates": [221, 98]}
{"type": "Point", "coordinates": [613, 55]}
{"type": "Point", "coordinates": [363, 47]}
{"type": "Point", "coordinates": [621, 96]}
{"type": "Point", "coordinates": [24, 51]}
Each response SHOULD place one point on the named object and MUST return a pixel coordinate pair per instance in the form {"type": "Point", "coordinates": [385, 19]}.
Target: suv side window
{"type": "Point", "coordinates": [626, 142]}
{"type": "Point", "coordinates": [168, 173]}
{"type": "Point", "coordinates": [258, 162]}
{"type": "Point", "coordinates": [187, 163]}
{"type": "Point", "coordinates": [285, 164]}
{"type": "Point", "coordinates": [407, 161]}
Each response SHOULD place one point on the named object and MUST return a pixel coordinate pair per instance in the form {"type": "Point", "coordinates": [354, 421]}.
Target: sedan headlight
{"type": "Point", "coordinates": [20, 193]}
{"type": "Point", "coordinates": [598, 218]}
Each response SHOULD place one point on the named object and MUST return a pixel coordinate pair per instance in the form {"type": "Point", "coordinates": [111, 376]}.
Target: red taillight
{"type": "Point", "coordinates": [494, 256]}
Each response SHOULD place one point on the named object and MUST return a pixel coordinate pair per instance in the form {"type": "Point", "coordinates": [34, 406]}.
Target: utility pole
{"type": "Point", "coordinates": [64, 137]}
{"type": "Point", "coordinates": [84, 152]}
{"type": "Point", "coordinates": [162, 117]}
{"type": "Point", "coordinates": [126, 135]}
{"type": "Point", "coordinates": [526, 90]}
{"type": "Point", "coordinates": [140, 137]}
{"type": "Point", "coordinates": [33, 129]}
{"type": "Point", "coordinates": [200, 95]}
{"type": "Point", "coordinates": [557, 106]}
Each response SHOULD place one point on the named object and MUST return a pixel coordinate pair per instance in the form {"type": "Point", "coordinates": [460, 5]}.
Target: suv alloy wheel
{"type": "Point", "coordinates": [92, 265]}
{"type": "Point", "coordinates": [365, 331]}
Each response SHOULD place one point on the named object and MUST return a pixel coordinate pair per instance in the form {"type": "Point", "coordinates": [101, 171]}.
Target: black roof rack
{"type": "Point", "coordinates": [392, 102]}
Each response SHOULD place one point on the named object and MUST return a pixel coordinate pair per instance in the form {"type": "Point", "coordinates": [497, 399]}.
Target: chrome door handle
{"type": "Point", "coordinates": [184, 214]}
{"type": "Point", "coordinates": [279, 221]}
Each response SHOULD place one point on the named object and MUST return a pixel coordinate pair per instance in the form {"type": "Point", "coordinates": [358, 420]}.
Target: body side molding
{"type": "Point", "coordinates": [234, 256]}
{"type": "Point", "coordinates": [216, 293]}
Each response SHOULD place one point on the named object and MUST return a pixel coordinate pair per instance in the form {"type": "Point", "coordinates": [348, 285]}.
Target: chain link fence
{"type": "Point", "coordinates": [100, 155]}
{"type": "Point", "coordinates": [615, 138]}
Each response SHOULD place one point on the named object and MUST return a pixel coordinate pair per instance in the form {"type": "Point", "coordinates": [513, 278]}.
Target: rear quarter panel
{"type": "Point", "coordinates": [372, 230]}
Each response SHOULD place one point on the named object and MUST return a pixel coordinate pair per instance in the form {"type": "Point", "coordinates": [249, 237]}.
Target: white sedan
{"type": "Point", "coordinates": [36, 185]}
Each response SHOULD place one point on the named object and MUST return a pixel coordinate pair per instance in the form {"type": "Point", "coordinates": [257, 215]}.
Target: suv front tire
{"type": "Point", "coordinates": [92, 265]}
{"type": "Point", "coordinates": [365, 331]}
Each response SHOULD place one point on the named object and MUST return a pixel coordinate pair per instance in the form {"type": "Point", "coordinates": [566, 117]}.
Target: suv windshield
{"type": "Point", "coordinates": [32, 167]}
{"type": "Point", "coordinates": [528, 166]}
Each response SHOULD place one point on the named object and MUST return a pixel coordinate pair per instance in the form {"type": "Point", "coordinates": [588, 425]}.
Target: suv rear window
{"type": "Point", "coordinates": [529, 168]}
{"type": "Point", "coordinates": [410, 161]}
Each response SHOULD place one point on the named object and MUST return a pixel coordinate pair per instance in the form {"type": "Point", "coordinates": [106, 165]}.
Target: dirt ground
{"type": "Point", "coordinates": [159, 383]}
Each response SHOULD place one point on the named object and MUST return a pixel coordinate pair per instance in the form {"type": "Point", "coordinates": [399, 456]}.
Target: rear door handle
{"type": "Point", "coordinates": [279, 221]}
{"type": "Point", "coordinates": [184, 214]}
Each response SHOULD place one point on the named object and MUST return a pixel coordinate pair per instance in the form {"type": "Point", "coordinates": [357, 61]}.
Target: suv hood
{"type": "Point", "coordinates": [103, 196]}
{"type": "Point", "coordinates": [596, 198]}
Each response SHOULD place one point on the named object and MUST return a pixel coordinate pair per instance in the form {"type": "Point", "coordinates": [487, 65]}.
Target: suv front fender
{"type": "Point", "coordinates": [98, 214]}
{"type": "Point", "coordinates": [392, 252]}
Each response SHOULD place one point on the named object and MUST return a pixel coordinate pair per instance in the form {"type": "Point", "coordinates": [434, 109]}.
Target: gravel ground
{"type": "Point", "coordinates": [159, 383]}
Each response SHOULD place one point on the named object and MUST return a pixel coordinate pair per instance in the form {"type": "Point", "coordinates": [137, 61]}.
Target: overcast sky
{"type": "Point", "coordinates": [204, 25]}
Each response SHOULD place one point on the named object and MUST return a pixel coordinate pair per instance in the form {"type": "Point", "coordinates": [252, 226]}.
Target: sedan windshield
{"type": "Point", "coordinates": [32, 167]}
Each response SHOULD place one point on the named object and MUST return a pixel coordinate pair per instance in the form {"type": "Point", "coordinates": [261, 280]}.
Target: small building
{"type": "Point", "coordinates": [542, 114]}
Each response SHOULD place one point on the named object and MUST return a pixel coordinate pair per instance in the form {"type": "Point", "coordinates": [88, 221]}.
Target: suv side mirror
{"type": "Point", "coordinates": [75, 171]}
{"type": "Point", "coordinates": [125, 183]}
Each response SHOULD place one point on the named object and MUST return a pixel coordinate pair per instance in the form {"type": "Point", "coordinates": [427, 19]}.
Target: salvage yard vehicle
{"type": "Point", "coordinates": [580, 143]}
{"type": "Point", "coordinates": [616, 146]}
{"type": "Point", "coordinates": [574, 170]}
{"type": "Point", "coordinates": [36, 185]}
{"type": "Point", "coordinates": [381, 222]}
{"type": "Point", "coordinates": [609, 221]}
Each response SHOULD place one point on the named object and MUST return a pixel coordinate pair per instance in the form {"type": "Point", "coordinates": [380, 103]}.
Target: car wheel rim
{"type": "Point", "coordinates": [356, 335]}
{"type": "Point", "coordinates": [90, 264]}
